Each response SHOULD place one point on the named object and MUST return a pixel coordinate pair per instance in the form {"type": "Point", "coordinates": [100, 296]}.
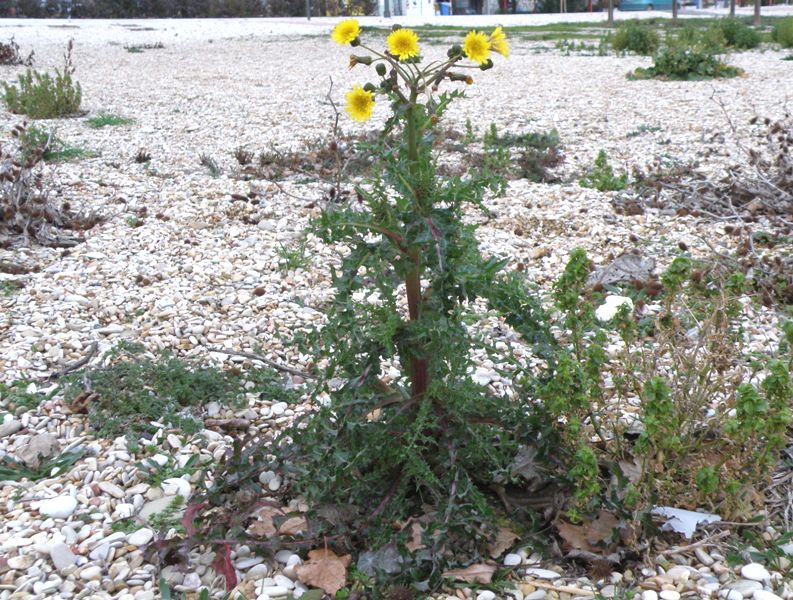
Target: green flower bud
{"type": "Point", "coordinates": [381, 69]}
{"type": "Point", "coordinates": [455, 51]}
{"type": "Point", "coordinates": [370, 87]}
{"type": "Point", "coordinates": [396, 27]}
{"type": "Point", "coordinates": [355, 42]}
{"type": "Point", "coordinates": [360, 60]}
{"type": "Point", "coordinates": [487, 65]}
{"type": "Point", "coordinates": [461, 77]}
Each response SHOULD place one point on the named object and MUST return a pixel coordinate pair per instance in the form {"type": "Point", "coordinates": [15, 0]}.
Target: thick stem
{"type": "Point", "coordinates": [419, 378]}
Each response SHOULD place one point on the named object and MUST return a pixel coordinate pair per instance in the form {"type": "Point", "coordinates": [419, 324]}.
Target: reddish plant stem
{"type": "Point", "coordinates": [419, 378]}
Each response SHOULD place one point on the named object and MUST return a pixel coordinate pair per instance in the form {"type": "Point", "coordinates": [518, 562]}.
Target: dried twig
{"type": "Point", "coordinates": [267, 361]}
{"type": "Point", "coordinates": [76, 365]}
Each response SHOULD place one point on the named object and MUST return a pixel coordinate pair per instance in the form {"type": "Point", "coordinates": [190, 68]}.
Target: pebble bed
{"type": "Point", "coordinates": [203, 271]}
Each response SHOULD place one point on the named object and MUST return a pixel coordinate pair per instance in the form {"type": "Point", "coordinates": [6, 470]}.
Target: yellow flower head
{"type": "Point", "coordinates": [403, 43]}
{"type": "Point", "coordinates": [359, 103]}
{"type": "Point", "coordinates": [477, 47]}
{"type": "Point", "coordinates": [346, 32]}
{"type": "Point", "coordinates": [498, 42]}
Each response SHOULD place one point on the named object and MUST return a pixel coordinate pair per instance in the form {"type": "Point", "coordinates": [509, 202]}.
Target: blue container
{"type": "Point", "coordinates": [446, 8]}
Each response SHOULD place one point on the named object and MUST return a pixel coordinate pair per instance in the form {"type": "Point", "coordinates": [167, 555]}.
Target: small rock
{"type": "Point", "coordinates": [765, 595]}
{"type": "Point", "coordinates": [157, 506]}
{"type": "Point", "coordinates": [141, 537]}
{"type": "Point", "coordinates": [21, 563]}
{"type": "Point", "coordinates": [649, 595]}
{"type": "Point", "coordinates": [703, 557]}
{"type": "Point", "coordinates": [486, 595]}
{"type": "Point", "coordinates": [9, 427]}
{"type": "Point", "coordinates": [679, 574]}
{"type": "Point", "coordinates": [191, 581]}
{"type": "Point", "coordinates": [536, 595]}
{"type": "Point", "coordinates": [512, 560]}
{"type": "Point", "coordinates": [542, 573]}
{"type": "Point", "coordinates": [745, 587]}
{"type": "Point", "coordinates": [39, 447]}
{"type": "Point", "coordinates": [669, 595]}
{"type": "Point", "coordinates": [755, 572]}
{"type": "Point", "coordinates": [731, 595]}
{"type": "Point", "coordinates": [112, 489]}
{"type": "Point", "coordinates": [62, 556]}
{"type": "Point", "coordinates": [608, 591]}
{"type": "Point", "coordinates": [91, 573]}
{"type": "Point", "coordinates": [60, 507]}
{"type": "Point", "coordinates": [176, 486]}
{"type": "Point", "coordinates": [273, 591]}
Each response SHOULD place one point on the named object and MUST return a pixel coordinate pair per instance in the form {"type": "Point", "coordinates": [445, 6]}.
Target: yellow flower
{"type": "Point", "coordinates": [359, 103]}
{"type": "Point", "coordinates": [498, 42]}
{"type": "Point", "coordinates": [477, 47]}
{"type": "Point", "coordinates": [403, 43]}
{"type": "Point", "coordinates": [346, 31]}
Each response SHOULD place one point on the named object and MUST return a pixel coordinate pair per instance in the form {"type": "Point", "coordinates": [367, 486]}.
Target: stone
{"type": "Point", "coordinates": [765, 595]}
{"type": "Point", "coordinates": [176, 486]}
{"type": "Point", "coordinates": [273, 591]}
{"type": "Point", "coordinates": [536, 595]}
{"type": "Point", "coordinates": [649, 595]}
{"type": "Point", "coordinates": [669, 595]}
{"type": "Point", "coordinates": [91, 573]}
{"type": "Point", "coordinates": [679, 574]}
{"type": "Point", "coordinates": [731, 595]}
{"type": "Point", "coordinates": [542, 573]}
{"type": "Point", "coordinates": [9, 428]}
{"type": "Point", "coordinates": [608, 591]}
{"type": "Point", "coordinates": [191, 581]}
{"type": "Point", "coordinates": [745, 587]}
{"type": "Point", "coordinates": [21, 563]}
{"type": "Point", "coordinates": [755, 572]}
{"type": "Point", "coordinates": [62, 556]}
{"type": "Point", "coordinates": [486, 595]}
{"type": "Point", "coordinates": [38, 448]}
{"type": "Point", "coordinates": [100, 553]}
{"type": "Point", "coordinates": [141, 537]}
{"type": "Point", "coordinates": [703, 557]}
{"type": "Point", "coordinates": [111, 488]}
{"type": "Point", "coordinates": [60, 507]}
{"type": "Point", "coordinates": [512, 560]}
{"type": "Point", "coordinates": [157, 506]}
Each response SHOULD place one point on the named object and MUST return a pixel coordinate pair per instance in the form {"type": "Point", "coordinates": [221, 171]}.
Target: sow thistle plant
{"type": "Point", "coordinates": [418, 458]}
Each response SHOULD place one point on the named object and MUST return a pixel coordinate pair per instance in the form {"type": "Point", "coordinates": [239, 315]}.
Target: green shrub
{"type": "Point", "coordinates": [783, 33]}
{"type": "Point", "coordinates": [636, 37]}
{"type": "Point", "coordinates": [35, 138]}
{"type": "Point", "coordinates": [680, 63]}
{"type": "Point", "coordinates": [44, 96]}
{"type": "Point", "coordinates": [736, 34]}
{"type": "Point", "coordinates": [602, 177]}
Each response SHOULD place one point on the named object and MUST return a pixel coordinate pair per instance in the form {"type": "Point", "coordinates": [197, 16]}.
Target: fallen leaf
{"type": "Point", "coordinates": [481, 573]}
{"type": "Point", "coordinates": [189, 517]}
{"type": "Point", "coordinates": [293, 526]}
{"type": "Point", "coordinates": [503, 542]}
{"type": "Point", "coordinates": [415, 537]}
{"type": "Point", "coordinates": [222, 564]}
{"type": "Point", "coordinates": [264, 525]}
{"type": "Point", "coordinates": [575, 537]}
{"type": "Point", "coordinates": [324, 570]}
{"type": "Point", "coordinates": [601, 529]}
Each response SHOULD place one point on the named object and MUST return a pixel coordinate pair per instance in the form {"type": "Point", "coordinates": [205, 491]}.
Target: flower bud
{"type": "Point", "coordinates": [355, 42]}
{"type": "Point", "coordinates": [360, 60]}
{"type": "Point", "coordinates": [370, 87]}
{"type": "Point", "coordinates": [458, 77]}
{"type": "Point", "coordinates": [380, 68]}
{"type": "Point", "coordinates": [455, 51]}
{"type": "Point", "coordinates": [396, 27]}
{"type": "Point", "coordinates": [486, 65]}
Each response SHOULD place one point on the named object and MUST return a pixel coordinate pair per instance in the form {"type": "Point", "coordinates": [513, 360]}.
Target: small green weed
{"type": "Point", "coordinates": [211, 164]}
{"type": "Point", "coordinates": [13, 470]}
{"type": "Point", "coordinates": [686, 64]}
{"type": "Point", "coordinates": [35, 138]}
{"type": "Point", "coordinates": [642, 129]}
{"type": "Point", "coordinates": [44, 96]}
{"type": "Point", "coordinates": [15, 397]}
{"type": "Point", "coordinates": [7, 288]}
{"type": "Point", "coordinates": [602, 177]}
{"type": "Point", "coordinates": [107, 120]}
{"type": "Point", "coordinates": [633, 36]}
{"type": "Point", "coordinates": [170, 518]}
{"type": "Point", "coordinates": [293, 257]}
{"type": "Point", "coordinates": [156, 473]}
{"type": "Point", "coordinates": [132, 391]}
{"type": "Point", "coordinates": [527, 155]}
{"type": "Point", "coordinates": [139, 48]}
{"type": "Point", "coordinates": [782, 33]}
{"type": "Point", "coordinates": [134, 222]}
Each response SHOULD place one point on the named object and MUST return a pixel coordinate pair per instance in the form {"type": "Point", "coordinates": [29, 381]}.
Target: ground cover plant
{"type": "Point", "coordinates": [107, 120]}
{"type": "Point", "coordinates": [678, 63]}
{"type": "Point", "coordinates": [782, 32]}
{"type": "Point", "coordinates": [45, 96]}
{"type": "Point", "coordinates": [633, 36]}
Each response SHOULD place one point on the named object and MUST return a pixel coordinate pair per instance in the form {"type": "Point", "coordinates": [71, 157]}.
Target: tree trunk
{"type": "Point", "coordinates": [674, 11]}
{"type": "Point", "coordinates": [611, 13]}
{"type": "Point", "coordinates": [732, 8]}
{"type": "Point", "coordinates": [756, 21]}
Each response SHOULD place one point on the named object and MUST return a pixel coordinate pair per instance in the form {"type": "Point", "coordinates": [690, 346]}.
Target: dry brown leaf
{"type": "Point", "coordinates": [481, 573]}
{"type": "Point", "coordinates": [415, 537]}
{"type": "Point", "coordinates": [601, 528]}
{"type": "Point", "coordinates": [264, 526]}
{"type": "Point", "coordinates": [575, 537]}
{"type": "Point", "coordinates": [503, 542]}
{"type": "Point", "coordinates": [324, 570]}
{"type": "Point", "coordinates": [293, 526]}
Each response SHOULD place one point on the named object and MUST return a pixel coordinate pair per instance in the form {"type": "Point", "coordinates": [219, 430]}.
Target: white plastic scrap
{"type": "Point", "coordinates": [683, 521]}
{"type": "Point", "coordinates": [607, 310]}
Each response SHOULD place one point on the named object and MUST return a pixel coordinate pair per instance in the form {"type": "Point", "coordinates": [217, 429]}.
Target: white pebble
{"type": "Point", "coordinates": [755, 572]}
{"type": "Point", "coordinates": [512, 560]}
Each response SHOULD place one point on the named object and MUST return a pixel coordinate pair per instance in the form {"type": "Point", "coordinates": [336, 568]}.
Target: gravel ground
{"type": "Point", "coordinates": [203, 271]}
